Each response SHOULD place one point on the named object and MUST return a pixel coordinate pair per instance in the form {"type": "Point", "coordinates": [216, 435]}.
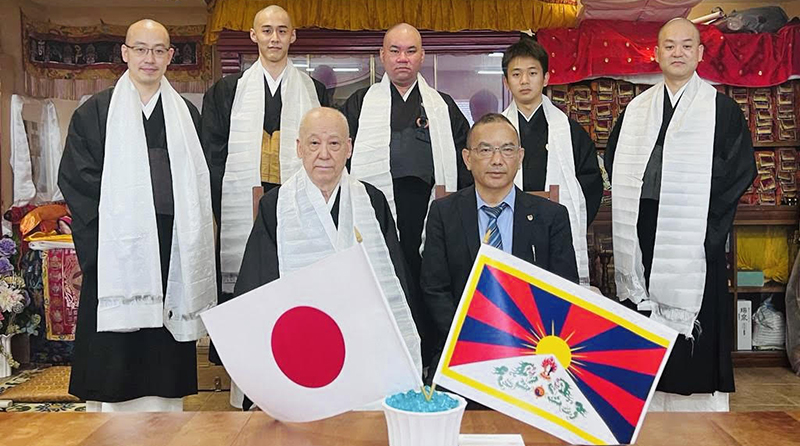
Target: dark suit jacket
{"type": "Point", "coordinates": [452, 243]}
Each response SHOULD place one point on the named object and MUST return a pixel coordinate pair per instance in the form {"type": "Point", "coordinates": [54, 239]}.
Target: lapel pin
{"type": "Point", "coordinates": [530, 217]}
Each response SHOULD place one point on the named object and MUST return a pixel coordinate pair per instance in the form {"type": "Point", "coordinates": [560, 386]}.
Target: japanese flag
{"type": "Point", "coordinates": [316, 343]}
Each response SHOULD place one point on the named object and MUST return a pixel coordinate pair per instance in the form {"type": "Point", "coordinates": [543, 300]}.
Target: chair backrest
{"type": "Point", "coordinates": [551, 194]}
{"type": "Point", "coordinates": [258, 192]}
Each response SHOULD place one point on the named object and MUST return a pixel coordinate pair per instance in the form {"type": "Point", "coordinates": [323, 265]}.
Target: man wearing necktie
{"type": "Point", "coordinates": [495, 212]}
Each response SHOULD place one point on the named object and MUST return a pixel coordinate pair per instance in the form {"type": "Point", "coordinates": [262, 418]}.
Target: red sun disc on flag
{"type": "Point", "coordinates": [308, 347]}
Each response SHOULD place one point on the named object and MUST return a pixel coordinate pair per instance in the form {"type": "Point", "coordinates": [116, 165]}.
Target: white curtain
{"type": "Point", "coordinates": [38, 133]}
{"type": "Point", "coordinates": [24, 189]}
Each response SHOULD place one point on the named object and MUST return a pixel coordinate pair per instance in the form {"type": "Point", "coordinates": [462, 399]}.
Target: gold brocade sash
{"type": "Point", "coordinates": [270, 157]}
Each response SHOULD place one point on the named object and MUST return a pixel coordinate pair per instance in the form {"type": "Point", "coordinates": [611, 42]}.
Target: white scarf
{"type": "Point", "coordinates": [306, 234]}
{"type": "Point", "coordinates": [129, 290]}
{"type": "Point", "coordinates": [243, 166]}
{"type": "Point", "coordinates": [561, 172]}
{"type": "Point", "coordinates": [677, 279]}
{"type": "Point", "coordinates": [370, 162]}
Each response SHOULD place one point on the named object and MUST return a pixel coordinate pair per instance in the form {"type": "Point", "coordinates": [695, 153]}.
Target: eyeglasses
{"type": "Point", "coordinates": [486, 151]}
{"type": "Point", "coordinates": [141, 51]}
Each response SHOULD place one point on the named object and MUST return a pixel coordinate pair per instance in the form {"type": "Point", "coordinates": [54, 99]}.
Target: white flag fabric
{"type": "Point", "coordinates": [315, 343]}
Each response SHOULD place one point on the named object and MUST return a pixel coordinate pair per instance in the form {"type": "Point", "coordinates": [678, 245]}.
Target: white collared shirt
{"type": "Point", "coordinates": [673, 98]}
{"type": "Point", "coordinates": [148, 108]}
{"type": "Point", "coordinates": [273, 84]}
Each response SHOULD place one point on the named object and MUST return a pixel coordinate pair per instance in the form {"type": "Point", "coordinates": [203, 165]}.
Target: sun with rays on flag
{"type": "Point", "coordinates": [551, 353]}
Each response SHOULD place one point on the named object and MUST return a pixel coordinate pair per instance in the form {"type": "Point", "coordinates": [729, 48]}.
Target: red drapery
{"type": "Point", "coordinates": [608, 48]}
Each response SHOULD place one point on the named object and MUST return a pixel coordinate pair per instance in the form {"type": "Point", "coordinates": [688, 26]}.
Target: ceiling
{"type": "Point", "coordinates": [122, 3]}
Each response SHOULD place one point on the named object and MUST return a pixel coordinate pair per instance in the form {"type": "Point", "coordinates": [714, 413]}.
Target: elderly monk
{"type": "Point", "coordinates": [408, 137]}
{"type": "Point", "coordinates": [679, 160]}
{"type": "Point", "coordinates": [135, 178]}
{"type": "Point", "coordinates": [317, 212]}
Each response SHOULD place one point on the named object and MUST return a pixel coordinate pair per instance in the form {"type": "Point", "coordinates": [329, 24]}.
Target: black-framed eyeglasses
{"type": "Point", "coordinates": [487, 151]}
{"type": "Point", "coordinates": [159, 52]}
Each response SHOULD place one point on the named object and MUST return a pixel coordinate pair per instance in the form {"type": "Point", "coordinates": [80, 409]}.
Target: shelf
{"type": "Point", "coordinates": [759, 358]}
{"type": "Point", "coordinates": [746, 215]}
{"type": "Point", "coordinates": [761, 145]}
{"type": "Point", "coordinates": [776, 144]}
{"type": "Point", "coordinates": [758, 289]}
{"type": "Point", "coordinates": [756, 215]}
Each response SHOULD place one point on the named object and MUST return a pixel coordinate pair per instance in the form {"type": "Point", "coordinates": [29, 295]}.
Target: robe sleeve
{"type": "Point", "coordinates": [562, 254]}
{"type": "Point", "coordinates": [260, 261]}
{"type": "Point", "coordinates": [459, 127]}
{"type": "Point", "coordinates": [352, 111]}
{"type": "Point", "coordinates": [733, 170]}
{"type": "Point", "coordinates": [435, 280]}
{"type": "Point", "coordinates": [587, 170]}
{"type": "Point", "coordinates": [216, 124]}
{"type": "Point", "coordinates": [611, 147]}
{"type": "Point", "coordinates": [323, 96]}
{"type": "Point", "coordinates": [79, 176]}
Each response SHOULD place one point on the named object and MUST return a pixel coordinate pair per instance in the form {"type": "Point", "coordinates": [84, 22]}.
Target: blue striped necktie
{"type": "Point", "coordinates": [492, 236]}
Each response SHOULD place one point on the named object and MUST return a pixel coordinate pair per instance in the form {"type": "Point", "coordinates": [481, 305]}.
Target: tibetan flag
{"type": "Point", "coordinates": [551, 353]}
{"type": "Point", "coordinates": [315, 343]}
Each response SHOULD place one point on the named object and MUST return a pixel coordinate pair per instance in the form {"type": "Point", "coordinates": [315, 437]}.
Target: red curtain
{"type": "Point", "coordinates": [608, 48]}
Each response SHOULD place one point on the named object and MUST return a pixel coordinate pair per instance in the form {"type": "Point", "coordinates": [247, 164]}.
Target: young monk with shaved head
{"type": "Point", "coordinates": [250, 124]}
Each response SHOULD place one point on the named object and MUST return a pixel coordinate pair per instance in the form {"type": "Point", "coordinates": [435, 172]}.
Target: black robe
{"type": "Point", "coordinates": [703, 365]}
{"type": "Point", "coordinates": [109, 366]}
{"type": "Point", "coordinates": [412, 191]}
{"type": "Point", "coordinates": [260, 262]}
{"type": "Point", "coordinates": [533, 137]}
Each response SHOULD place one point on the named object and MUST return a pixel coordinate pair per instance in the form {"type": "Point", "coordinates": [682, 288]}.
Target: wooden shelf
{"type": "Point", "coordinates": [776, 144]}
{"type": "Point", "coordinates": [761, 145]}
{"type": "Point", "coordinates": [757, 215]}
{"type": "Point", "coordinates": [746, 215]}
{"type": "Point", "coordinates": [760, 358]}
{"type": "Point", "coordinates": [758, 289]}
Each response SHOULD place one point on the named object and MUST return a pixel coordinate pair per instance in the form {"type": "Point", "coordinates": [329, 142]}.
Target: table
{"type": "Point", "coordinates": [362, 429]}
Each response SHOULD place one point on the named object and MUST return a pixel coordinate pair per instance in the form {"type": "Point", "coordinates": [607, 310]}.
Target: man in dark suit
{"type": "Point", "coordinates": [493, 211]}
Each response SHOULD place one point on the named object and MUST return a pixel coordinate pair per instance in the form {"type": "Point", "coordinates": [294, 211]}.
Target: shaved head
{"type": "Point", "coordinates": [326, 114]}
{"type": "Point", "coordinates": [678, 52]}
{"type": "Point", "coordinates": [402, 29]}
{"type": "Point", "coordinates": [271, 10]}
{"type": "Point", "coordinates": [147, 52]}
{"type": "Point", "coordinates": [402, 54]}
{"type": "Point", "coordinates": [678, 22]}
{"type": "Point", "coordinates": [146, 26]}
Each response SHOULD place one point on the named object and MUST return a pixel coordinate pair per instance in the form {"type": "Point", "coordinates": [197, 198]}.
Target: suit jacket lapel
{"type": "Point", "coordinates": [523, 227]}
{"type": "Point", "coordinates": [468, 207]}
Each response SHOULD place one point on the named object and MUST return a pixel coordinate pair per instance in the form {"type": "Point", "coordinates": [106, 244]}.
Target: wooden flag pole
{"type": "Point", "coordinates": [428, 395]}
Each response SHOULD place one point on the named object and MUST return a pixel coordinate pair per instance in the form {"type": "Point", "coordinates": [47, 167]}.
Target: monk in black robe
{"type": "Point", "coordinates": [525, 74]}
{"type": "Point", "coordinates": [324, 146]}
{"type": "Point", "coordinates": [117, 366]}
{"type": "Point", "coordinates": [411, 153]}
{"type": "Point", "coordinates": [701, 365]}
{"type": "Point", "coordinates": [273, 33]}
